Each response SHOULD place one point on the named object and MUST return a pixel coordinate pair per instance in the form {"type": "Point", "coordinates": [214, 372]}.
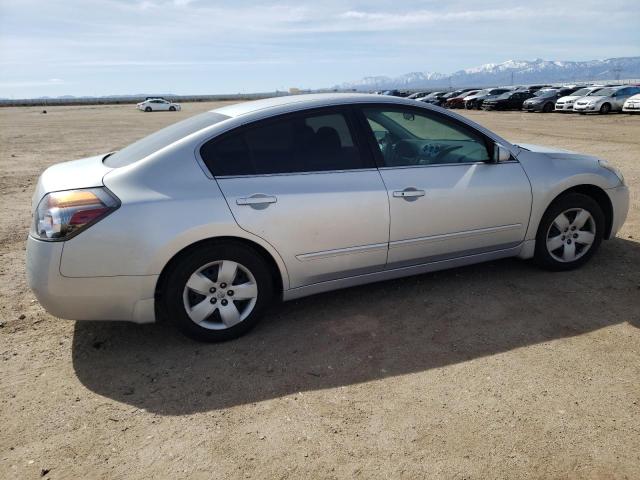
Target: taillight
{"type": "Point", "coordinates": [61, 215]}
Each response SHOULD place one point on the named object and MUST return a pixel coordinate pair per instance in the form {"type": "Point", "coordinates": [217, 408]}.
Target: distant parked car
{"type": "Point", "coordinates": [565, 104]}
{"type": "Point", "coordinates": [610, 99]}
{"type": "Point", "coordinates": [534, 88]}
{"type": "Point", "coordinates": [458, 101]}
{"type": "Point", "coordinates": [632, 105]}
{"type": "Point", "coordinates": [440, 101]}
{"type": "Point", "coordinates": [432, 97]}
{"type": "Point", "coordinates": [417, 95]}
{"type": "Point", "coordinates": [392, 93]}
{"type": "Point", "coordinates": [475, 100]}
{"type": "Point", "coordinates": [545, 100]}
{"type": "Point", "coordinates": [507, 101]}
{"type": "Point", "coordinates": [158, 104]}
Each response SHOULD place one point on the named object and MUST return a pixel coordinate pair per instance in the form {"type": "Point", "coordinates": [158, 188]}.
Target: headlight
{"type": "Point", "coordinates": [62, 215]}
{"type": "Point", "coordinates": [612, 169]}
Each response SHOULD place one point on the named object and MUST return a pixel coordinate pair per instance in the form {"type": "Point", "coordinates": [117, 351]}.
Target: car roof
{"type": "Point", "coordinates": [301, 102]}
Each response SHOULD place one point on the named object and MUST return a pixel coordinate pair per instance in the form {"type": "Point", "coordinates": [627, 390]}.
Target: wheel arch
{"type": "Point", "coordinates": [276, 273]}
{"type": "Point", "coordinates": [599, 195]}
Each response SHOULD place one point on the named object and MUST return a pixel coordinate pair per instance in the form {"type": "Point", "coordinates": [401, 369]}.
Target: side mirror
{"type": "Point", "coordinates": [500, 153]}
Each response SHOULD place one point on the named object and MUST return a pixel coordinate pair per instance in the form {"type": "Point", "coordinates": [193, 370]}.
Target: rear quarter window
{"type": "Point", "coordinates": [162, 138]}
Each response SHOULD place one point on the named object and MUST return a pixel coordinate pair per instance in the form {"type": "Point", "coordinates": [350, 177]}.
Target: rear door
{"type": "Point", "coordinates": [303, 183]}
{"type": "Point", "coordinates": [447, 199]}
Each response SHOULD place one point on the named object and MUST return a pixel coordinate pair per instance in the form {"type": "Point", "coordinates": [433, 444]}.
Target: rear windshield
{"type": "Point", "coordinates": [162, 138]}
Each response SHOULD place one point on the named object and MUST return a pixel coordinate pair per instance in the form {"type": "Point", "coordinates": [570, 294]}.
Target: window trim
{"type": "Point", "coordinates": [365, 129]}
{"type": "Point", "coordinates": [344, 110]}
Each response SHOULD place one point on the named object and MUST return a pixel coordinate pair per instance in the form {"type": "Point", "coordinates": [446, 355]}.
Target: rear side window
{"type": "Point", "coordinates": [293, 144]}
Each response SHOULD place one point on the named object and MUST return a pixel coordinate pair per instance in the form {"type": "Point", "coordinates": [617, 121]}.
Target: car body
{"type": "Point", "coordinates": [440, 100]}
{"type": "Point", "coordinates": [544, 100]}
{"type": "Point", "coordinates": [507, 101]}
{"type": "Point", "coordinates": [458, 101]}
{"type": "Point", "coordinates": [606, 100]}
{"type": "Point", "coordinates": [565, 104]}
{"type": "Point", "coordinates": [432, 97]}
{"type": "Point", "coordinates": [206, 220]}
{"type": "Point", "coordinates": [475, 101]}
{"type": "Point", "coordinates": [158, 105]}
{"type": "Point", "coordinates": [632, 104]}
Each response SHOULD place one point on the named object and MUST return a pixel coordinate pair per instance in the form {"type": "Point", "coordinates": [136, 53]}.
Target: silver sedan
{"type": "Point", "coordinates": [207, 221]}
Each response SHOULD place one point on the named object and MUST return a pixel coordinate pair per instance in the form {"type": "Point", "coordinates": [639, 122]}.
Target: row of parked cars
{"type": "Point", "coordinates": [582, 99]}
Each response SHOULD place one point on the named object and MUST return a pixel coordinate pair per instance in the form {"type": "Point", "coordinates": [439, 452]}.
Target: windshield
{"type": "Point", "coordinates": [581, 93]}
{"type": "Point", "coordinates": [162, 138]}
{"type": "Point", "coordinates": [545, 93]}
{"type": "Point", "coordinates": [605, 92]}
{"type": "Point", "coordinates": [505, 96]}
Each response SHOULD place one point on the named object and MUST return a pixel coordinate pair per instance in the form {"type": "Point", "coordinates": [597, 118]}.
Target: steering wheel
{"type": "Point", "coordinates": [444, 151]}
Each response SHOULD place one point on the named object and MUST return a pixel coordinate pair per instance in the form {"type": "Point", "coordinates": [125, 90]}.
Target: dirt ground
{"type": "Point", "coordinates": [498, 370]}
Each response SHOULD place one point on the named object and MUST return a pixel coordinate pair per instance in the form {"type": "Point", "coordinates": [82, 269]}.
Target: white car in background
{"type": "Point", "coordinates": [158, 104]}
{"type": "Point", "coordinates": [609, 99]}
{"type": "Point", "coordinates": [565, 104]}
{"type": "Point", "coordinates": [632, 105]}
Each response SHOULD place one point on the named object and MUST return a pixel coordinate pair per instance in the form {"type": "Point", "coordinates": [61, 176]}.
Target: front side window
{"type": "Point", "coordinates": [298, 143]}
{"type": "Point", "coordinates": [410, 138]}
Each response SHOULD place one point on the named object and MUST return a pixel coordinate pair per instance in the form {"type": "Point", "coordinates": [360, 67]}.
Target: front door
{"type": "Point", "coordinates": [447, 198]}
{"type": "Point", "coordinates": [302, 183]}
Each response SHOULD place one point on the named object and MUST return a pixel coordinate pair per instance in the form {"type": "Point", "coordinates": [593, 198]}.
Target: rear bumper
{"type": "Point", "coordinates": [619, 197]}
{"type": "Point", "coordinates": [127, 298]}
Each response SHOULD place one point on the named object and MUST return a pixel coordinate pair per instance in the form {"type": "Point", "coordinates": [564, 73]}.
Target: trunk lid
{"type": "Point", "coordinates": [83, 173]}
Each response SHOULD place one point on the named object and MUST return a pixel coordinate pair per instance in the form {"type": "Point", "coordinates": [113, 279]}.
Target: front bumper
{"type": "Point", "coordinates": [631, 108]}
{"type": "Point", "coordinates": [564, 107]}
{"type": "Point", "coordinates": [127, 298]}
{"type": "Point", "coordinates": [619, 197]}
{"type": "Point", "coordinates": [585, 108]}
{"type": "Point", "coordinates": [536, 107]}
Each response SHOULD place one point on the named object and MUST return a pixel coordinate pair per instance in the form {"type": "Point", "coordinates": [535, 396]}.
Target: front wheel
{"type": "Point", "coordinates": [172, 109]}
{"type": "Point", "coordinates": [570, 232]}
{"type": "Point", "coordinates": [147, 109]}
{"type": "Point", "coordinates": [605, 108]}
{"type": "Point", "coordinates": [548, 108]}
{"type": "Point", "coordinates": [217, 292]}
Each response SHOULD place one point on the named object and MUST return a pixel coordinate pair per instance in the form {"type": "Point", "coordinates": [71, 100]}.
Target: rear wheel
{"type": "Point", "coordinates": [570, 232]}
{"type": "Point", "coordinates": [218, 292]}
{"type": "Point", "coordinates": [605, 108]}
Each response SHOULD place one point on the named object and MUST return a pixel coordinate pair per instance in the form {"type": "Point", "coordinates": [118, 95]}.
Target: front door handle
{"type": "Point", "coordinates": [257, 199]}
{"type": "Point", "coordinates": [409, 193]}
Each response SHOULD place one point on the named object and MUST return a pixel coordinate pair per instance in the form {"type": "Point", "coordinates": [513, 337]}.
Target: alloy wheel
{"type": "Point", "coordinates": [220, 295]}
{"type": "Point", "coordinates": [571, 235]}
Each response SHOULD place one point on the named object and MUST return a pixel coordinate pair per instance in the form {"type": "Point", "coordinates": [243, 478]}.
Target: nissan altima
{"type": "Point", "coordinates": [206, 222]}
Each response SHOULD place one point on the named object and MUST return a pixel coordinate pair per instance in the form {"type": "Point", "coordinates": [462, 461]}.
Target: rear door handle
{"type": "Point", "coordinates": [256, 199]}
{"type": "Point", "coordinates": [409, 193]}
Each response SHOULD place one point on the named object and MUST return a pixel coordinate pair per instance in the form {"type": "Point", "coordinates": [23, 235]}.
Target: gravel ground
{"type": "Point", "coordinates": [497, 370]}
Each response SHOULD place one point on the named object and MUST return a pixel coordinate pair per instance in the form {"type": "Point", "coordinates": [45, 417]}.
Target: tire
{"type": "Point", "coordinates": [548, 108]}
{"type": "Point", "coordinates": [172, 109]}
{"type": "Point", "coordinates": [202, 269]}
{"type": "Point", "coordinates": [571, 241]}
{"type": "Point", "coordinates": [605, 108]}
{"type": "Point", "coordinates": [147, 109]}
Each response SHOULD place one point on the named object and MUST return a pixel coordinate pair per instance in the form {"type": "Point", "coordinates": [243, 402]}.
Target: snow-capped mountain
{"type": "Point", "coordinates": [505, 73]}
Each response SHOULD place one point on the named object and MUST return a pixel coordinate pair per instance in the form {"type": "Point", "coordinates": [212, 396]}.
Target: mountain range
{"type": "Point", "coordinates": [511, 72]}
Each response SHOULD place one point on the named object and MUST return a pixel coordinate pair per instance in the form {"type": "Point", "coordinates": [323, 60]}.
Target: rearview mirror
{"type": "Point", "coordinates": [500, 153]}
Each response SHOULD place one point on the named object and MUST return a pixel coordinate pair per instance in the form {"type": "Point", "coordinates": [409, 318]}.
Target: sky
{"type": "Point", "coordinates": [104, 47]}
